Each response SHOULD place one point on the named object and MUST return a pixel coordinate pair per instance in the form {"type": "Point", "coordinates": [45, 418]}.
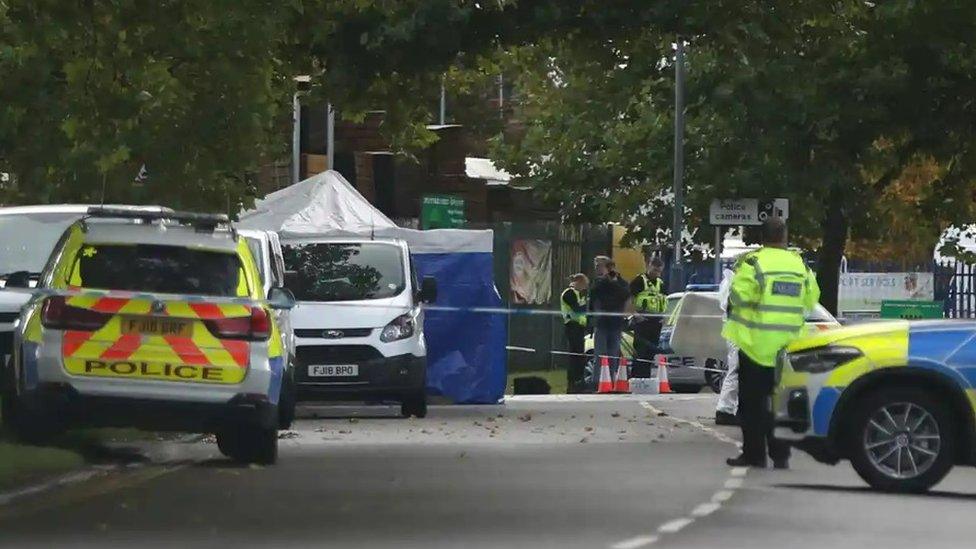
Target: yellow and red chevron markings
{"type": "Point", "coordinates": [202, 357]}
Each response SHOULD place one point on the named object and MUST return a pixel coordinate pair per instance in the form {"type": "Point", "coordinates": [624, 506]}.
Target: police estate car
{"type": "Point", "coordinates": [151, 320]}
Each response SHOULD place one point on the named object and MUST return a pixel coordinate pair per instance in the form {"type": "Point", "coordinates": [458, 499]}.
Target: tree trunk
{"type": "Point", "coordinates": [834, 230]}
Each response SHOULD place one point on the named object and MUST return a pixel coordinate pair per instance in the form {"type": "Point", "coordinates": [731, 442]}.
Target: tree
{"type": "Point", "coordinates": [823, 103]}
{"type": "Point", "coordinates": [93, 90]}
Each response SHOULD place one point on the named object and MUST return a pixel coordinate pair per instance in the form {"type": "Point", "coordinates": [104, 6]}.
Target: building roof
{"type": "Point", "coordinates": [484, 168]}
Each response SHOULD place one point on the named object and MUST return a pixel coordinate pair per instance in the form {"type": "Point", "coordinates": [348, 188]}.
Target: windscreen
{"type": "Point", "coordinates": [159, 269]}
{"type": "Point", "coordinates": [26, 240]}
{"type": "Point", "coordinates": [344, 271]}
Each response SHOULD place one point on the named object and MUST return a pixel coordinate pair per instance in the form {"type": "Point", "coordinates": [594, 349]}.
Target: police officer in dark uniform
{"type": "Point", "coordinates": [573, 305]}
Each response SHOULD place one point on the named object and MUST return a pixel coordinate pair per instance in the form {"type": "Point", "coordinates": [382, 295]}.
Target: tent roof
{"type": "Point", "coordinates": [328, 206]}
{"type": "Point", "coordinates": [324, 204]}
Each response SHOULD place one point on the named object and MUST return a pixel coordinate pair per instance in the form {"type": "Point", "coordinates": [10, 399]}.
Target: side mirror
{"type": "Point", "coordinates": [428, 290]}
{"type": "Point", "coordinates": [19, 279]}
{"type": "Point", "coordinates": [281, 298]}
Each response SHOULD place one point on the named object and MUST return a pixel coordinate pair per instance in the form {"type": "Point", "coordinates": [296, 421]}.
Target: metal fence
{"type": "Point", "coordinates": [955, 287]}
{"type": "Point", "coordinates": [573, 248]}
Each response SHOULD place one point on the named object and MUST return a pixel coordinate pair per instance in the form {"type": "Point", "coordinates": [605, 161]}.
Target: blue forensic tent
{"type": "Point", "coordinates": [465, 350]}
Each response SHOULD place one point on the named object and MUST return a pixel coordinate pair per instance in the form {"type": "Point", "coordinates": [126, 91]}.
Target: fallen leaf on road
{"type": "Point", "coordinates": [584, 440]}
{"type": "Point", "coordinates": [662, 414]}
{"type": "Point", "coordinates": [615, 414]}
{"type": "Point", "coordinates": [588, 429]}
{"type": "Point", "coordinates": [621, 438]}
{"type": "Point", "coordinates": [526, 417]}
{"type": "Point", "coordinates": [621, 432]}
{"type": "Point", "coordinates": [426, 432]}
{"type": "Point", "coordinates": [478, 424]}
{"type": "Point", "coordinates": [500, 415]}
{"type": "Point", "coordinates": [490, 419]}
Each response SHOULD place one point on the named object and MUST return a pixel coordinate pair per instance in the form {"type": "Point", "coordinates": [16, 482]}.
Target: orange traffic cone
{"type": "Point", "coordinates": [606, 384]}
{"type": "Point", "coordinates": [622, 384]}
{"type": "Point", "coordinates": [664, 386]}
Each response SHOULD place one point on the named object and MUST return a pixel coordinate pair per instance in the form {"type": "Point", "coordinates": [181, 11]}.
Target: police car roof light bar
{"type": "Point", "coordinates": [200, 220]}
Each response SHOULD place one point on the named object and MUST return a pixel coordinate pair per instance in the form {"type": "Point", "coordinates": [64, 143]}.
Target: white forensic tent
{"type": "Point", "coordinates": [465, 350]}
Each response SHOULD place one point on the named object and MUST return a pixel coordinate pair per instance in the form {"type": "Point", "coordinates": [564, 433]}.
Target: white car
{"type": "Point", "coordinates": [693, 366]}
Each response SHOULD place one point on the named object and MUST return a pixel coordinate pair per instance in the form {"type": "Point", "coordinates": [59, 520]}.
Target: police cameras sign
{"type": "Point", "coordinates": [747, 211]}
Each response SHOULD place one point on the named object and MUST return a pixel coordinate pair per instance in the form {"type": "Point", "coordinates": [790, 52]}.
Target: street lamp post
{"type": "Point", "coordinates": [677, 269]}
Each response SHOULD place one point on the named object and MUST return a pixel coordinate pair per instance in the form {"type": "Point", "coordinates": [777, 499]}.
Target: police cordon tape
{"type": "Point", "coordinates": [48, 292]}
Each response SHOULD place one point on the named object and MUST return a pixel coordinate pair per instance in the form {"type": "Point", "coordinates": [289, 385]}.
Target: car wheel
{"type": "Point", "coordinates": [415, 405]}
{"type": "Point", "coordinates": [901, 440]}
{"type": "Point", "coordinates": [286, 402]}
{"type": "Point", "coordinates": [588, 369]}
{"type": "Point", "coordinates": [712, 378]}
{"type": "Point", "coordinates": [249, 444]}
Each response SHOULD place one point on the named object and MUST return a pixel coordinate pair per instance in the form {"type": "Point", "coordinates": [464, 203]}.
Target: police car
{"type": "Point", "coordinates": [897, 399]}
{"type": "Point", "coordinates": [151, 320]}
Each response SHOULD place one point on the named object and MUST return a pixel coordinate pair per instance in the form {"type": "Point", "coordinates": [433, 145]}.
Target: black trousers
{"type": "Point", "coordinates": [647, 337]}
{"type": "Point", "coordinates": [756, 383]}
{"type": "Point", "coordinates": [577, 362]}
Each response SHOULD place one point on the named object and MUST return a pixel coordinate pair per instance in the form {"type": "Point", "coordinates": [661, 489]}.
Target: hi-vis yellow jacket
{"type": "Point", "coordinates": [771, 291]}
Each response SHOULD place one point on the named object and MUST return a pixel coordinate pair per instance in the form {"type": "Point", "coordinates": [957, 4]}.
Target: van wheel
{"type": "Point", "coordinates": [415, 405]}
{"type": "Point", "coordinates": [286, 402]}
{"type": "Point", "coordinates": [249, 444]}
{"type": "Point", "coordinates": [902, 440]}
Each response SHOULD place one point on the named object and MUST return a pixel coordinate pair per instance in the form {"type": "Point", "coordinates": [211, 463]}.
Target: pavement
{"type": "Point", "coordinates": [619, 472]}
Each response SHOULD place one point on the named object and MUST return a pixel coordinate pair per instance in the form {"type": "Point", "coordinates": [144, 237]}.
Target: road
{"type": "Point", "coordinates": [619, 472]}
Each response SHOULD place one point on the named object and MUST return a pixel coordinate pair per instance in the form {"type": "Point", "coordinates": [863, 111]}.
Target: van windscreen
{"type": "Point", "coordinates": [344, 271]}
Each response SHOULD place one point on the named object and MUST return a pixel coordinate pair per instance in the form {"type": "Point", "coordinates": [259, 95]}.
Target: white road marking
{"type": "Point", "coordinates": [734, 481]}
{"type": "Point", "coordinates": [696, 424]}
{"type": "Point", "coordinates": [722, 496]}
{"type": "Point", "coordinates": [634, 543]}
{"type": "Point", "coordinates": [705, 509]}
{"type": "Point", "coordinates": [674, 526]}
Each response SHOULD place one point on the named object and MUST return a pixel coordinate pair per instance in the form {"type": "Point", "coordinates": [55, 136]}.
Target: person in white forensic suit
{"type": "Point", "coordinates": [728, 399]}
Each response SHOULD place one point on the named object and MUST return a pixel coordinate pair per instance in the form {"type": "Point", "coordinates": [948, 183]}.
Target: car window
{"type": "Point", "coordinates": [344, 271]}
{"type": "Point", "coordinates": [257, 250]}
{"type": "Point", "coordinates": [277, 264]}
{"type": "Point", "coordinates": [155, 268]}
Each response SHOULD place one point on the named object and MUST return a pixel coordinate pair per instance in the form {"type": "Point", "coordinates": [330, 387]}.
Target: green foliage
{"type": "Point", "coordinates": [93, 90]}
{"type": "Point", "coordinates": [822, 103]}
